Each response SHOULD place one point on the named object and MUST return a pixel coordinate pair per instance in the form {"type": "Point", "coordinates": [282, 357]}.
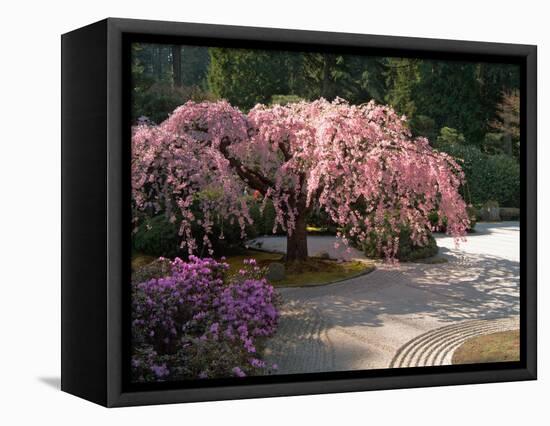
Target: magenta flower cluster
{"type": "Point", "coordinates": [199, 322]}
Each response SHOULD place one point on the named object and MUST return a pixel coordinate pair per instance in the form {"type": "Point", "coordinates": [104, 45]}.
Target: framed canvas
{"type": "Point", "coordinates": [255, 212]}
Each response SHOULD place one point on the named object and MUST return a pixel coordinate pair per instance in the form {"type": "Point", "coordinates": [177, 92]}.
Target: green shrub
{"type": "Point", "coordinates": [503, 180]}
{"type": "Point", "coordinates": [157, 237]}
{"type": "Point", "coordinates": [434, 220]}
{"type": "Point", "coordinates": [496, 143]}
{"type": "Point", "coordinates": [509, 213]}
{"type": "Point", "coordinates": [490, 211]}
{"type": "Point", "coordinates": [449, 136]}
{"type": "Point", "coordinates": [488, 177]}
{"type": "Point", "coordinates": [263, 220]}
{"type": "Point", "coordinates": [408, 251]}
{"type": "Point", "coordinates": [230, 242]}
{"type": "Point", "coordinates": [159, 99]}
{"type": "Point", "coordinates": [422, 125]}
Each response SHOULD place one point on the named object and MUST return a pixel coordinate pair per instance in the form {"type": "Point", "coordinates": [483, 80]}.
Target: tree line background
{"type": "Point", "coordinates": [467, 109]}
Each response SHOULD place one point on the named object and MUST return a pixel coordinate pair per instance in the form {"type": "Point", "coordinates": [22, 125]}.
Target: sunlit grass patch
{"type": "Point", "coordinates": [313, 271]}
{"type": "Point", "coordinates": [496, 347]}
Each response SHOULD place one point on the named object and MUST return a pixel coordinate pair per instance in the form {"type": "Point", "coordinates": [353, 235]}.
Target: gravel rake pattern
{"type": "Point", "coordinates": [436, 347]}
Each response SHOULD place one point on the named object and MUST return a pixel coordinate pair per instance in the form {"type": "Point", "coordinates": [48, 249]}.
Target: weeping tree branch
{"type": "Point", "coordinates": [284, 149]}
{"type": "Point", "coordinates": [254, 179]}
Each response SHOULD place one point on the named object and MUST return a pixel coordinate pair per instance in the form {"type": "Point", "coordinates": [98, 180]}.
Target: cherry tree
{"type": "Point", "coordinates": [358, 163]}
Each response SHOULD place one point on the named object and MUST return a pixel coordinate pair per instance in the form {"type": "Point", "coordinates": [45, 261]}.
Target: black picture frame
{"type": "Point", "coordinates": [95, 212]}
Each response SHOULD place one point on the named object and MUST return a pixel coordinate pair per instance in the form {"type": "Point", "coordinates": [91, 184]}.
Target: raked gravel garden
{"type": "Point", "coordinates": [404, 315]}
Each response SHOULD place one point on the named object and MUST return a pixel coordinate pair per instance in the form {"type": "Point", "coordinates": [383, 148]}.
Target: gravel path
{"type": "Point", "coordinates": [405, 315]}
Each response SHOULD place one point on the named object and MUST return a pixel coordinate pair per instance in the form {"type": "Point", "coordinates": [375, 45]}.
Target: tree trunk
{"type": "Point", "coordinates": [329, 64]}
{"type": "Point", "coordinates": [157, 64]}
{"type": "Point", "coordinates": [296, 243]}
{"type": "Point", "coordinates": [176, 65]}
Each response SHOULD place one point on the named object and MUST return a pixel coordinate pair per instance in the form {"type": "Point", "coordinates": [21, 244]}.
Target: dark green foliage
{"type": "Point", "coordinates": [495, 82]}
{"type": "Point", "coordinates": [442, 227]}
{"type": "Point", "coordinates": [157, 101]}
{"type": "Point", "coordinates": [368, 73]}
{"type": "Point", "coordinates": [263, 221]}
{"type": "Point", "coordinates": [448, 136]}
{"type": "Point", "coordinates": [155, 91]}
{"type": "Point", "coordinates": [225, 238]}
{"type": "Point", "coordinates": [499, 143]}
{"type": "Point", "coordinates": [408, 251]}
{"type": "Point", "coordinates": [195, 61]}
{"type": "Point", "coordinates": [321, 74]}
{"type": "Point", "coordinates": [157, 237]}
{"type": "Point", "coordinates": [424, 126]}
{"type": "Point", "coordinates": [488, 177]}
{"type": "Point", "coordinates": [247, 77]}
{"type": "Point", "coordinates": [463, 95]}
{"type": "Point", "coordinates": [448, 93]}
{"type": "Point", "coordinates": [357, 79]}
{"type": "Point", "coordinates": [509, 213]}
{"type": "Point", "coordinates": [401, 77]}
{"type": "Point", "coordinates": [320, 219]}
{"type": "Point", "coordinates": [502, 180]}
{"type": "Point", "coordinates": [490, 211]}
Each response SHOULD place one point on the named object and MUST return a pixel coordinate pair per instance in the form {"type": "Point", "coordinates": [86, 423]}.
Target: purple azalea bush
{"type": "Point", "coordinates": [199, 322]}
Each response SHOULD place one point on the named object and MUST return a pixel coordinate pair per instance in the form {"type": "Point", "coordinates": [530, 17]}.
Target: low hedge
{"type": "Point", "coordinates": [509, 213]}
{"type": "Point", "coordinates": [488, 177]}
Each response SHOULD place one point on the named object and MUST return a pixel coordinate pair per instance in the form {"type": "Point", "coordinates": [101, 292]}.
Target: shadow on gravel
{"type": "Point", "coordinates": [468, 287]}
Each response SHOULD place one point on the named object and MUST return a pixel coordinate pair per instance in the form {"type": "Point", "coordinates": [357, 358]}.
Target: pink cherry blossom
{"type": "Point", "coordinates": [358, 163]}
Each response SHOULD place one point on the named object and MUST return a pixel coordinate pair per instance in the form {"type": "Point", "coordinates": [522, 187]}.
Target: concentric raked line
{"type": "Point", "coordinates": [436, 347]}
{"type": "Point", "coordinates": [302, 343]}
{"type": "Point", "coordinates": [428, 353]}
